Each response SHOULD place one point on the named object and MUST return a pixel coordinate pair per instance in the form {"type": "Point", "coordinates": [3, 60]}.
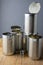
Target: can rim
{"type": "Point", "coordinates": [6, 33]}
{"type": "Point", "coordinates": [13, 27]}
{"type": "Point", "coordinates": [35, 36]}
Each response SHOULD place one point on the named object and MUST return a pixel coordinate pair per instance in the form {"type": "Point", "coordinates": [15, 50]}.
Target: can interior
{"type": "Point", "coordinates": [6, 33]}
{"type": "Point", "coordinates": [35, 36]}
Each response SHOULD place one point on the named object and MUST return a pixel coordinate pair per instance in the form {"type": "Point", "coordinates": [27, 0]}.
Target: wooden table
{"type": "Point", "coordinates": [17, 59]}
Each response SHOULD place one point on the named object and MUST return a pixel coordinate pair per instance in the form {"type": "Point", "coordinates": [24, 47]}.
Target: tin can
{"type": "Point", "coordinates": [18, 37]}
{"type": "Point", "coordinates": [18, 41]}
{"type": "Point", "coordinates": [35, 47]}
{"type": "Point", "coordinates": [8, 43]}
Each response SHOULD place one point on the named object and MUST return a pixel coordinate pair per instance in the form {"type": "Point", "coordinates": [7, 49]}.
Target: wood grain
{"type": "Point", "coordinates": [17, 59]}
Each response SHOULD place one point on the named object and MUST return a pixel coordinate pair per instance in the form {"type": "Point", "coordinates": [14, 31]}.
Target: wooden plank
{"type": "Point", "coordinates": [0, 42]}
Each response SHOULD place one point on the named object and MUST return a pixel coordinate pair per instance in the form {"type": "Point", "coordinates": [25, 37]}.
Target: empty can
{"type": "Point", "coordinates": [30, 20]}
{"type": "Point", "coordinates": [35, 47]}
{"type": "Point", "coordinates": [18, 37]}
{"type": "Point", "coordinates": [8, 43]}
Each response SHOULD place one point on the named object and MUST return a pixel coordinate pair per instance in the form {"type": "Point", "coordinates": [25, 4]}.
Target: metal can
{"type": "Point", "coordinates": [30, 25]}
{"type": "Point", "coordinates": [18, 37]}
{"type": "Point", "coordinates": [18, 41]}
{"type": "Point", "coordinates": [35, 47]}
{"type": "Point", "coordinates": [8, 44]}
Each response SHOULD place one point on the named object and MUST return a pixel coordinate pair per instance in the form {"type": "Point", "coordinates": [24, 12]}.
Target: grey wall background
{"type": "Point", "coordinates": [12, 13]}
{"type": "Point", "coordinates": [0, 17]}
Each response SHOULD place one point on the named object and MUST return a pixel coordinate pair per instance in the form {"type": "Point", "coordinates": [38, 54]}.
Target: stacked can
{"type": "Point", "coordinates": [18, 37]}
{"type": "Point", "coordinates": [33, 40]}
{"type": "Point", "coordinates": [29, 26]}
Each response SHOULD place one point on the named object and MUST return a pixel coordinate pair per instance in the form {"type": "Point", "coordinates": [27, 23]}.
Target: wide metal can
{"type": "Point", "coordinates": [35, 47]}
{"type": "Point", "coordinates": [8, 43]}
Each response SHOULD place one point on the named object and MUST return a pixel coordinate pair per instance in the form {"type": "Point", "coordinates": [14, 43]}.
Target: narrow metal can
{"type": "Point", "coordinates": [30, 25]}
{"type": "Point", "coordinates": [18, 41]}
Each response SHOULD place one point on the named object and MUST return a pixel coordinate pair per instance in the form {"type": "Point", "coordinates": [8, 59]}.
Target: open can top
{"type": "Point", "coordinates": [7, 33]}
{"type": "Point", "coordinates": [13, 27]}
{"type": "Point", "coordinates": [35, 36]}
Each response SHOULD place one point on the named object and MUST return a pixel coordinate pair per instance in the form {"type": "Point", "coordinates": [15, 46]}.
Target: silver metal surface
{"type": "Point", "coordinates": [30, 20]}
{"type": "Point", "coordinates": [8, 44]}
{"type": "Point", "coordinates": [35, 47]}
{"type": "Point", "coordinates": [18, 41]}
{"type": "Point", "coordinates": [26, 43]}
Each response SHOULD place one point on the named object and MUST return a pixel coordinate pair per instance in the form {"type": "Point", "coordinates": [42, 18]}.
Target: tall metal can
{"type": "Point", "coordinates": [18, 41]}
{"type": "Point", "coordinates": [18, 37]}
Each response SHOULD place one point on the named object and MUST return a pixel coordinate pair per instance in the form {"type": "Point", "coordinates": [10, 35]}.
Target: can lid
{"type": "Point", "coordinates": [34, 7]}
